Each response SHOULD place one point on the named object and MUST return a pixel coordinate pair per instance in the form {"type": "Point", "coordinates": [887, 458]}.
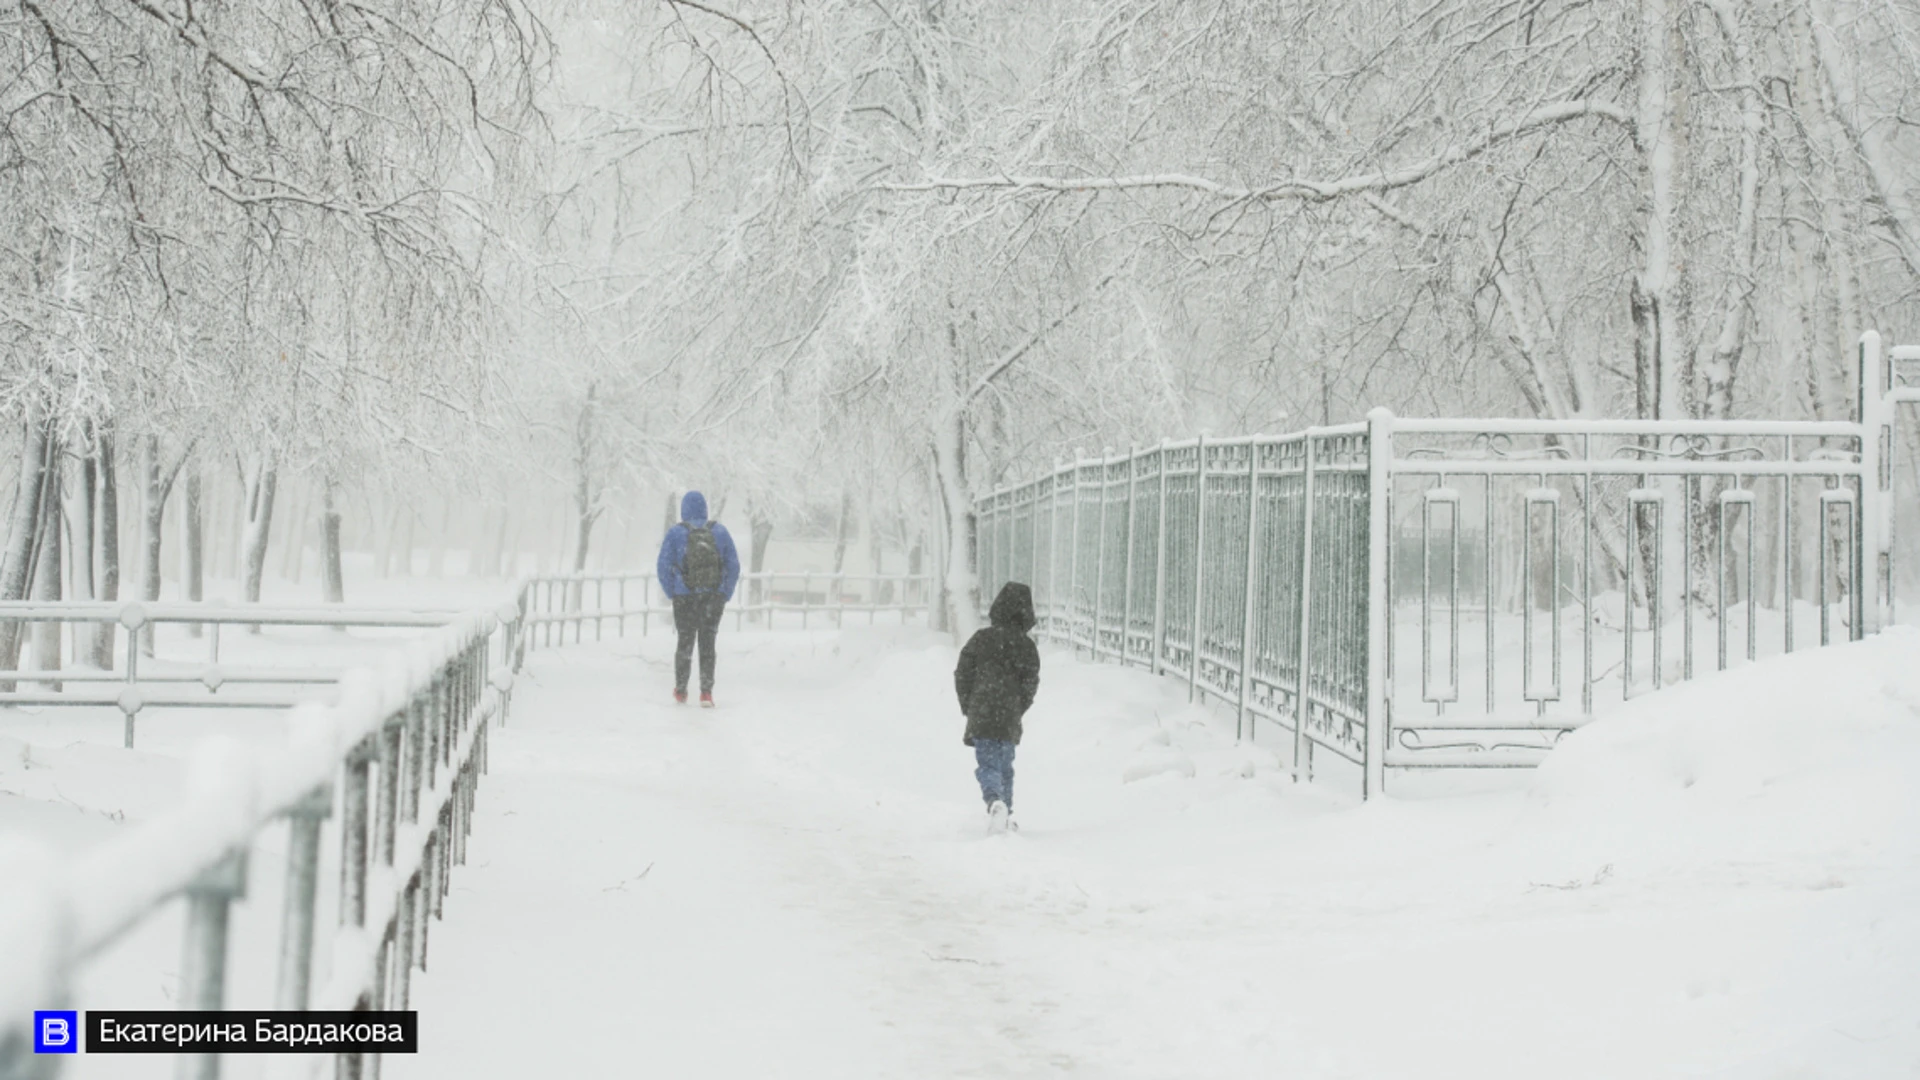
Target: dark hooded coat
{"type": "Point", "coordinates": [999, 669]}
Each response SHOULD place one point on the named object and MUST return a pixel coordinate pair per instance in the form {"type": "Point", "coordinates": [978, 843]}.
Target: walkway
{"type": "Point", "coordinates": [796, 885]}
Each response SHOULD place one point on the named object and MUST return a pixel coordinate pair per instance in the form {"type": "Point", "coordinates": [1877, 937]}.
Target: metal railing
{"type": "Point", "coordinates": [397, 753]}
{"type": "Point", "coordinates": [1244, 565]}
{"type": "Point", "coordinates": [553, 604]}
{"type": "Point", "coordinates": [393, 750]}
{"type": "Point", "coordinates": [1340, 582]}
{"type": "Point", "coordinates": [146, 682]}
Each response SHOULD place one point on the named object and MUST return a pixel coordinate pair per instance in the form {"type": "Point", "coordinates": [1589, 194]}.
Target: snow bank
{"type": "Point", "coordinates": [1812, 756]}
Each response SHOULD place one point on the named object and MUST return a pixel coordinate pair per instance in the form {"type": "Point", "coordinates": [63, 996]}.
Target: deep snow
{"type": "Point", "coordinates": [1721, 880]}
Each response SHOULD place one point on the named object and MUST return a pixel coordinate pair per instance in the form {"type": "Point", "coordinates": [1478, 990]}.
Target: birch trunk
{"type": "Point", "coordinates": [1653, 304]}
{"type": "Point", "coordinates": [47, 570]}
{"type": "Point", "coordinates": [16, 566]}
{"type": "Point", "coordinates": [194, 514]}
{"type": "Point", "coordinates": [155, 500]}
{"type": "Point", "coordinates": [79, 556]}
{"type": "Point", "coordinates": [960, 592]}
{"type": "Point", "coordinates": [259, 528]}
{"type": "Point", "coordinates": [108, 516]}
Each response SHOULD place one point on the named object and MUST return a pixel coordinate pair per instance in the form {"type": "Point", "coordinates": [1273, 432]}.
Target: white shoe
{"type": "Point", "coordinates": [997, 817]}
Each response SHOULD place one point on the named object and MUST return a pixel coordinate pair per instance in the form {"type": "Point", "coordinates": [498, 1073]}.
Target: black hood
{"type": "Point", "coordinates": [1013, 607]}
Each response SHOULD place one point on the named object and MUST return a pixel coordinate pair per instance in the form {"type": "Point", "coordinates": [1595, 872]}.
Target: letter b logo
{"type": "Point", "coordinates": [54, 1032]}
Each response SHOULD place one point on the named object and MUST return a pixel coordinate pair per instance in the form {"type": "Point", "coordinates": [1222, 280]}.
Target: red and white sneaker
{"type": "Point", "coordinates": [680, 696]}
{"type": "Point", "coordinates": [706, 699]}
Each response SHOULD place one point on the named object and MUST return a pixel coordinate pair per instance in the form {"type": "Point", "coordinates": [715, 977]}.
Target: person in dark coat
{"type": "Point", "coordinates": [698, 568]}
{"type": "Point", "coordinates": [998, 674]}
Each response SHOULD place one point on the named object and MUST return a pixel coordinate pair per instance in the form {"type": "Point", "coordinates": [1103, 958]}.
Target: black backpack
{"type": "Point", "coordinates": [701, 568]}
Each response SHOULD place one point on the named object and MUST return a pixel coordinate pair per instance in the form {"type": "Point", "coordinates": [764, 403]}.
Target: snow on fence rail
{"type": "Point", "coordinates": [1459, 593]}
{"type": "Point", "coordinates": [399, 751]}
{"type": "Point", "coordinates": [185, 685]}
{"type": "Point", "coordinates": [553, 603]}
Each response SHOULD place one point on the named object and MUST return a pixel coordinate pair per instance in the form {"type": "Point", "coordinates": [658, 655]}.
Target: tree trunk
{"type": "Point", "coordinates": [259, 528]}
{"type": "Point", "coordinates": [1655, 306]}
{"type": "Point", "coordinates": [155, 514]}
{"type": "Point", "coordinates": [47, 571]}
{"type": "Point", "coordinates": [293, 538]}
{"type": "Point", "coordinates": [842, 531]}
{"type": "Point", "coordinates": [79, 557]}
{"type": "Point", "coordinates": [108, 517]}
{"type": "Point", "coordinates": [437, 562]}
{"type": "Point", "coordinates": [496, 568]}
{"type": "Point", "coordinates": [195, 544]}
{"type": "Point", "coordinates": [16, 566]}
{"type": "Point", "coordinates": [960, 592]}
{"type": "Point", "coordinates": [585, 515]}
{"type": "Point", "coordinates": [335, 582]}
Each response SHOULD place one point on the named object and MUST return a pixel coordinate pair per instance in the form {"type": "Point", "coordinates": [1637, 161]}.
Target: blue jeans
{"type": "Point", "coordinates": [995, 771]}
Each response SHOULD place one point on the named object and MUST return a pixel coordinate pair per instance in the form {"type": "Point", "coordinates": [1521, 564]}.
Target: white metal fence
{"type": "Point", "coordinates": [395, 753]}
{"type": "Point", "coordinates": [1458, 593]}
{"type": "Point", "coordinates": [592, 605]}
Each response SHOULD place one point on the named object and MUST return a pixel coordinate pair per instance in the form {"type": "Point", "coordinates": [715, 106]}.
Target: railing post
{"type": "Point", "coordinates": [303, 879]}
{"type": "Point", "coordinates": [1100, 550]}
{"type": "Point", "coordinates": [1126, 570]}
{"type": "Point", "coordinates": [1033, 541]}
{"type": "Point", "coordinates": [131, 617]}
{"type": "Point", "coordinates": [203, 961]}
{"type": "Point", "coordinates": [1073, 553]}
{"type": "Point", "coordinates": [1874, 537]}
{"type": "Point", "coordinates": [1379, 625]}
{"type": "Point", "coordinates": [1199, 560]}
{"type": "Point", "coordinates": [1160, 571]}
{"type": "Point", "coordinates": [1303, 671]}
{"type": "Point", "coordinates": [1243, 718]}
{"type": "Point", "coordinates": [353, 838]}
{"type": "Point", "coordinates": [388, 810]}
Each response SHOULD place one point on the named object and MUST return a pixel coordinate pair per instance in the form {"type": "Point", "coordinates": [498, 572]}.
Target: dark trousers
{"type": "Point", "coordinates": [697, 619]}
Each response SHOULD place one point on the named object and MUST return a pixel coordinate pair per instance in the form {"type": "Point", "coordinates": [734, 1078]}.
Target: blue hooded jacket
{"type": "Point", "coordinates": [673, 549]}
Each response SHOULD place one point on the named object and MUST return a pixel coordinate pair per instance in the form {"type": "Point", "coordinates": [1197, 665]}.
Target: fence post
{"type": "Point", "coordinates": [1160, 570]}
{"type": "Point", "coordinates": [1126, 572]}
{"type": "Point", "coordinates": [1303, 681]}
{"type": "Point", "coordinates": [1100, 551]}
{"type": "Point", "coordinates": [1073, 555]}
{"type": "Point", "coordinates": [1199, 560]}
{"type": "Point", "coordinates": [203, 962]}
{"type": "Point", "coordinates": [1246, 626]}
{"type": "Point", "coordinates": [1874, 537]}
{"type": "Point", "coordinates": [303, 878]}
{"type": "Point", "coordinates": [1379, 619]}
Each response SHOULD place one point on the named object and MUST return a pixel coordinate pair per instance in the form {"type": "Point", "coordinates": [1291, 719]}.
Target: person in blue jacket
{"type": "Point", "coordinates": [698, 568]}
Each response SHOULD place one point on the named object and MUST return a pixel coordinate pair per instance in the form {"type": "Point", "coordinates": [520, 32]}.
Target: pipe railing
{"type": "Point", "coordinates": [186, 684]}
{"type": "Point", "coordinates": [553, 604]}
{"type": "Point", "coordinates": [395, 757]}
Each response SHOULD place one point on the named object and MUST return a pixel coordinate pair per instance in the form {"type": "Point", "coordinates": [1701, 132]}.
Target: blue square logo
{"type": "Point", "coordinates": [56, 1031]}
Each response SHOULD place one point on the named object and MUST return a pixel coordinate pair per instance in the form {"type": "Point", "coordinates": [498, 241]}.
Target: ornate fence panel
{"type": "Point", "coordinates": [1615, 557]}
{"type": "Point", "coordinates": [1430, 594]}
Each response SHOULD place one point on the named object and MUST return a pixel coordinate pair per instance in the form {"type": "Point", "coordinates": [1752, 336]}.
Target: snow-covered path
{"type": "Point", "coordinates": [796, 884]}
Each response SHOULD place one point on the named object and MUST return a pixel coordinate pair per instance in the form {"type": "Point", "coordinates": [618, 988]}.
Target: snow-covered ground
{"type": "Point", "coordinates": [1717, 880]}
{"type": "Point", "coordinates": [1722, 880]}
